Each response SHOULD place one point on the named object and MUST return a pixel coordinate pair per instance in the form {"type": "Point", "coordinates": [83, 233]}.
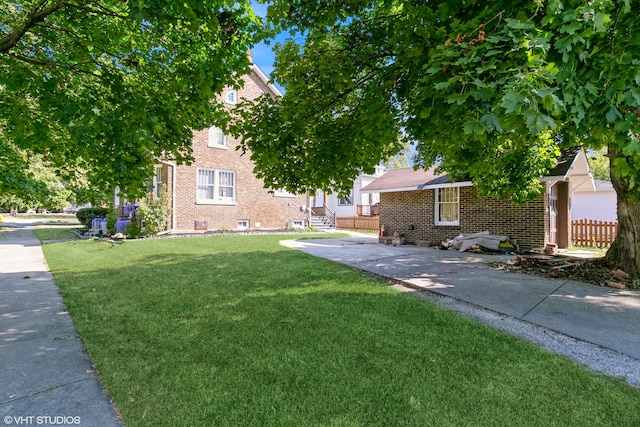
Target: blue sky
{"type": "Point", "coordinates": [263, 54]}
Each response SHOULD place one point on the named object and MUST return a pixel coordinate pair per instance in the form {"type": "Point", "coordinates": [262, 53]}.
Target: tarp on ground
{"type": "Point", "coordinates": [482, 239]}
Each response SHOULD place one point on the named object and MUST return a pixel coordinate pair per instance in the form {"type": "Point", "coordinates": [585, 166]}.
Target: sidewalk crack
{"type": "Point", "coordinates": [543, 300]}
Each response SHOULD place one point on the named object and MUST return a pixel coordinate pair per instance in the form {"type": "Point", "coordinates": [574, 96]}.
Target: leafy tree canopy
{"type": "Point", "coordinates": [489, 90]}
{"type": "Point", "coordinates": [492, 90]}
{"type": "Point", "coordinates": [599, 164]}
{"type": "Point", "coordinates": [113, 85]}
{"type": "Point", "coordinates": [30, 181]}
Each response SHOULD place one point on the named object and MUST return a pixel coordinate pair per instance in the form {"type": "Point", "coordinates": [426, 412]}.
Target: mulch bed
{"type": "Point", "coordinates": [595, 271]}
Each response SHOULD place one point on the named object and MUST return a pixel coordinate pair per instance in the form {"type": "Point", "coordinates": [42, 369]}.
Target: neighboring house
{"type": "Point", "coordinates": [601, 205]}
{"type": "Point", "coordinates": [355, 204]}
{"type": "Point", "coordinates": [219, 190]}
{"type": "Point", "coordinates": [427, 208]}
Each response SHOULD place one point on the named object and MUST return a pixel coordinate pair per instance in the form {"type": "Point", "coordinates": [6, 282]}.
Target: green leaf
{"type": "Point", "coordinates": [458, 98]}
{"type": "Point", "coordinates": [538, 122]}
{"type": "Point", "coordinates": [491, 121]}
{"type": "Point", "coordinates": [519, 25]}
{"type": "Point", "coordinates": [512, 102]}
{"type": "Point", "coordinates": [600, 21]}
{"type": "Point", "coordinates": [632, 97]}
{"type": "Point", "coordinates": [473, 126]}
{"type": "Point", "coordinates": [613, 114]}
{"type": "Point", "coordinates": [442, 85]}
{"type": "Point", "coordinates": [571, 28]}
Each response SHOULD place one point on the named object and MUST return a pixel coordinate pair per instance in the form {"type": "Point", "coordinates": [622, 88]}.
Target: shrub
{"type": "Point", "coordinates": [155, 211]}
{"type": "Point", "coordinates": [133, 230]}
{"type": "Point", "coordinates": [86, 215]}
{"type": "Point", "coordinates": [111, 221]}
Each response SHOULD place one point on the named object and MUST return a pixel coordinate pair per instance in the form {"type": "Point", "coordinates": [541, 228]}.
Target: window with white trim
{"type": "Point", "coordinates": [346, 200]}
{"type": "Point", "coordinates": [216, 186]}
{"type": "Point", "coordinates": [242, 224]}
{"type": "Point", "coordinates": [231, 97]}
{"type": "Point", "coordinates": [217, 138]}
{"type": "Point", "coordinates": [447, 206]}
{"type": "Point", "coordinates": [297, 223]}
{"type": "Point", "coordinates": [281, 192]}
{"type": "Point", "coordinates": [157, 180]}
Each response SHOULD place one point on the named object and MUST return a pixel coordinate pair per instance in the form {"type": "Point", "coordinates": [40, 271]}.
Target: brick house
{"type": "Point", "coordinates": [219, 190]}
{"type": "Point", "coordinates": [427, 208]}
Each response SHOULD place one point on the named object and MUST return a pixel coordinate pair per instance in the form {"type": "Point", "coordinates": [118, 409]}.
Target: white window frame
{"type": "Point", "coordinates": [217, 138]}
{"type": "Point", "coordinates": [218, 176]}
{"type": "Point", "coordinates": [243, 224]}
{"type": "Point", "coordinates": [346, 202]}
{"type": "Point", "coordinates": [297, 223]}
{"type": "Point", "coordinates": [231, 97]}
{"type": "Point", "coordinates": [281, 192]}
{"type": "Point", "coordinates": [157, 180]}
{"type": "Point", "coordinates": [438, 203]}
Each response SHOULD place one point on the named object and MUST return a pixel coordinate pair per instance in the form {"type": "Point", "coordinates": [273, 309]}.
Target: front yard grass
{"type": "Point", "coordinates": [240, 331]}
{"type": "Point", "coordinates": [47, 218]}
{"type": "Point", "coordinates": [55, 233]}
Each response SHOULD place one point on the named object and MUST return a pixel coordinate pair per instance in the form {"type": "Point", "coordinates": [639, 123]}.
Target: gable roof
{"type": "Point", "coordinates": [571, 162]}
{"type": "Point", "coordinates": [264, 78]}
{"type": "Point", "coordinates": [407, 179]}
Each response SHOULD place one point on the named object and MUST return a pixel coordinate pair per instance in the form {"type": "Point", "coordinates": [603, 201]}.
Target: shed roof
{"type": "Point", "coordinates": [571, 162]}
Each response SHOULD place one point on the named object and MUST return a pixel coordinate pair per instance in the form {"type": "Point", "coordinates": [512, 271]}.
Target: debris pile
{"type": "Point", "coordinates": [480, 242]}
{"type": "Point", "coordinates": [594, 271]}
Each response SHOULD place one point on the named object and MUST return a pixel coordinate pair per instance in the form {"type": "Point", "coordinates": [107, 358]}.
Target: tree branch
{"type": "Point", "coordinates": [39, 14]}
{"type": "Point", "coordinates": [98, 9]}
{"type": "Point", "coordinates": [53, 65]}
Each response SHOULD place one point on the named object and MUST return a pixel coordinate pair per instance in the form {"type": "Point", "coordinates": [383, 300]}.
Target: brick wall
{"type": "Point", "coordinates": [412, 213]}
{"type": "Point", "coordinates": [253, 201]}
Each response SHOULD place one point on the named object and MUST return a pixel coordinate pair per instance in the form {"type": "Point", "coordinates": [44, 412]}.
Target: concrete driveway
{"type": "Point", "coordinates": [602, 317]}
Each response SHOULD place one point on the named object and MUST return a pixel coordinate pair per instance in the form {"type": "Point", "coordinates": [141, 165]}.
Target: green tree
{"type": "Point", "coordinates": [491, 90]}
{"type": "Point", "coordinates": [31, 181]}
{"type": "Point", "coordinates": [402, 159]}
{"type": "Point", "coordinates": [599, 164]}
{"type": "Point", "coordinates": [113, 85]}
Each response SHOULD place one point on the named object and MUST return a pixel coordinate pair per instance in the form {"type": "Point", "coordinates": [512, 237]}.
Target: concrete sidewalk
{"type": "Point", "coordinates": [46, 377]}
{"type": "Point", "coordinates": [592, 316]}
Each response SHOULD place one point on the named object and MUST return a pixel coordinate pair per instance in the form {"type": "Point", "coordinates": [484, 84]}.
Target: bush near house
{"type": "Point", "coordinates": [86, 215]}
{"type": "Point", "coordinates": [155, 211]}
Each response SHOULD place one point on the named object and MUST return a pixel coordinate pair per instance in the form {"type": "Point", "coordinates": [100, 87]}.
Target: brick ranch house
{"type": "Point", "coordinates": [219, 190]}
{"type": "Point", "coordinates": [427, 208]}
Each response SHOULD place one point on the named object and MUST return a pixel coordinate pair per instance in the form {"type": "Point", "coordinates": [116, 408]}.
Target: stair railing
{"type": "Point", "coordinates": [331, 216]}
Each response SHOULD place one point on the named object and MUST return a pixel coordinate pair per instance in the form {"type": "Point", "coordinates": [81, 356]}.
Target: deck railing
{"type": "Point", "coordinates": [368, 210]}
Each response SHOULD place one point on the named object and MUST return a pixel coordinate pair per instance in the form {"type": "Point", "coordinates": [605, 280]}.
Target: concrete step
{"type": "Point", "coordinates": [320, 222]}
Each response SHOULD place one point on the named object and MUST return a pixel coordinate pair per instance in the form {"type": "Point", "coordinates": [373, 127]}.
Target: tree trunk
{"type": "Point", "coordinates": [624, 253]}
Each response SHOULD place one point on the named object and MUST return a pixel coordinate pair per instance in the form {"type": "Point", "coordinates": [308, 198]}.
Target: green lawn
{"type": "Point", "coordinates": [55, 233]}
{"type": "Point", "coordinates": [240, 331]}
{"type": "Point", "coordinates": [47, 218]}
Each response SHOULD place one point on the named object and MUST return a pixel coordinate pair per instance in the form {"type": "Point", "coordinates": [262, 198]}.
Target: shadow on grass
{"type": "Point", "coordinates": [234, 332]}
